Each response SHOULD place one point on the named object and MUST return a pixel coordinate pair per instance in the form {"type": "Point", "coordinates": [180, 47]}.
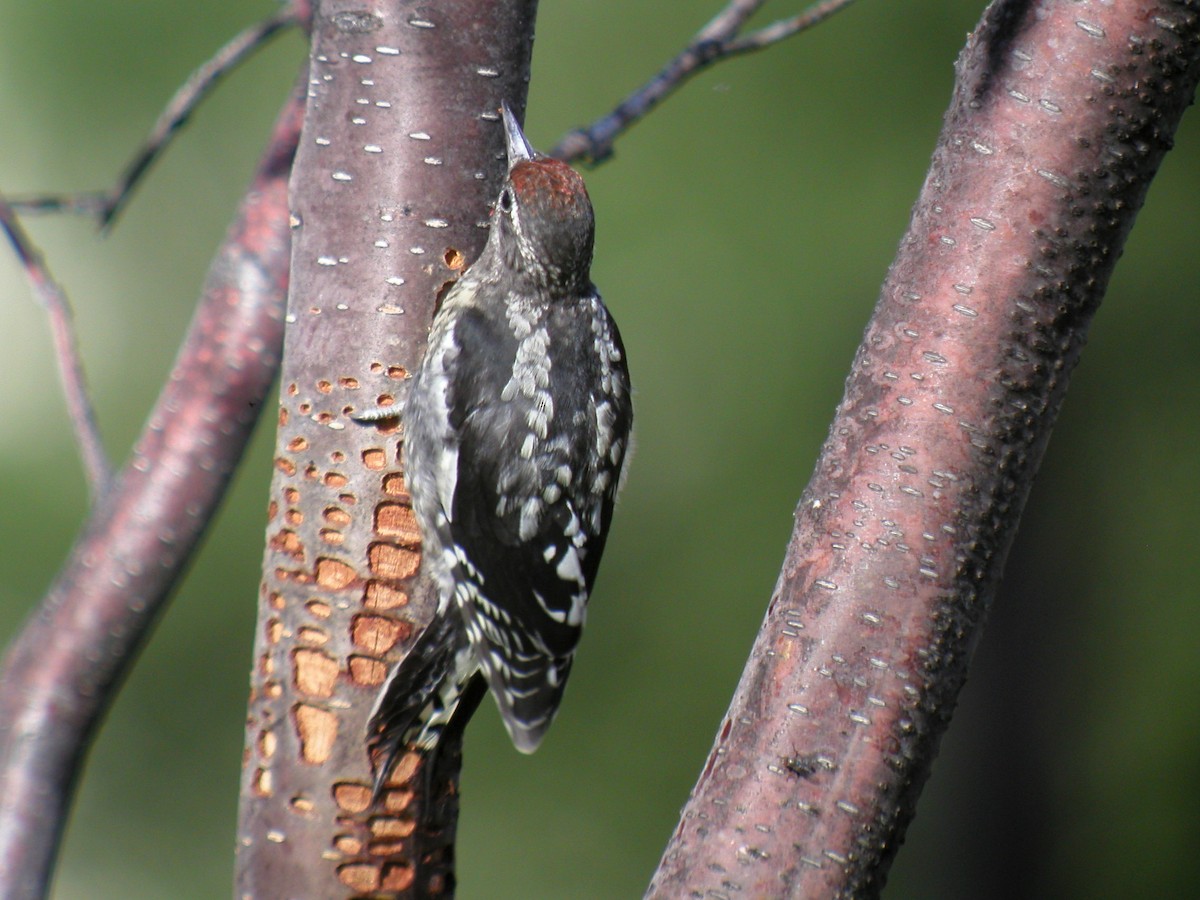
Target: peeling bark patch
{"type": "Point", "coordinates": [297, 444]}
{"type": "Point", "coordinates": [359, 876]}
{"type": "Point", "coordinates": [402, 774]}
{"type": "Point", "coordinates": [292, 496]}
{"type": "Point", "coordinates": [319, 609]}
{"type": "Point", "coordinates": [348, 844]}
{"type": "Point", "coordinates": [396, 800]}
{"type": "Point", "coordinates": [380, 596]}
{"type": "Point", "coordinates": [336, 516]}
{"type": "Point", "coordinates": [377, 634]}
{"type": "Point", "coordinates": [294, 517]}
{"type": "Point", "coordinates": [314, 672]}
{"type": "Point", "coordinates": [286, 466]}
{"type": "Point", "coordinates": [351, 797]}
{"type": "Point", "coordinates": [317, 730]}
{"type": "Point", "coordinates": [266, 743]}
{"type": "Point", "coordinates": [374, 458]}
{"type": "Point", "coordinates": [310, 634]}
{"type": "Point", "coordinates": [333, 574]}
{"type": "Point", "coordinates": [288, 543]}
{"type": "Point", "coordinates": [388, 834]}
{"type": "Point", "coordinates": [336, 480]}
{"type": "Point", "coordinates": [386, 847]}
{"type": "Point", "coordinates": [397, 373]}
{"type": "Point", "coordinates": [384, 827]}
{"type": "Point", "coordinates": [367, 672]}
{"type": "Point", "coordinates": [398, 877]}
{"type": "Point", "coordinates": [393, 485]}
{"type": "Point", "coordinates": [332, 537]}
{"type": "Point", "coordinates": [299, 577]}
{"type": "Point", "coordinates": [262, 784]}
{"type": "Point", "coordinates": [397, 520]}
{"type": "Point", "coordinates": [274, 631]}
{"type": "Point", "coordinates": [301, 805]}
{"type": "Point", "coordinates": [392, 562]}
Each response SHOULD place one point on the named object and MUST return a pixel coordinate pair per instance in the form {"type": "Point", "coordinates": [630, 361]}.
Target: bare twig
{"type": "Point", "coordinates": [66, 350]}
{"type": "Point", "coordinates": [718, 40]}
{"type": "Point", "coordinates": [105, 205]}
{"type": "Point", "coordinates": [785, 28]}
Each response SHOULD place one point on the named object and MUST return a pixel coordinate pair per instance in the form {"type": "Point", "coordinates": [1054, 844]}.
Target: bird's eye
{"type": "Point", "coordinates": [506, 200]}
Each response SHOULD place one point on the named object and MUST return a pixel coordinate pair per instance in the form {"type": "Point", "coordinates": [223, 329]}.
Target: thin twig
{"type": "Point", "coordinates": [785, 28]}
{"type": "Point", "coordinates": [66, 350]}
{"type": "Point", "coordinates": [105, 205]}
{"type": "Point", "coordinates": [718, 40]}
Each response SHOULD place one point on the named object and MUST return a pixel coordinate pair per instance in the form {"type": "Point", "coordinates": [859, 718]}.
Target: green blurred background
{"type": "Point", "coordinates": [782, 182]}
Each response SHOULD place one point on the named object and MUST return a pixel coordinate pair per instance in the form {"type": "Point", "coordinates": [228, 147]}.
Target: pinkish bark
{"type": "Point", "coordinates": [401, 155]}
{"type": "Point", "coordinates": [1061, 114]}
{"type": "Point", "coordinates": [62, 671]}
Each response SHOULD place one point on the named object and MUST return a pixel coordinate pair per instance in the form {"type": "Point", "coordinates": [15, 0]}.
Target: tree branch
{"type": "Point", "coordinates": [1061, 115]}
{"type": "Point", "coordinates": [398, 164]}
{"type": "Point", "coordinates": [106, 205]}
{"type": "Point", "coordinates": [63, 669]}
{"type": "Point", "coordinates": [718, 40]}
{"type": "Point", "coordinates": [66, 351]}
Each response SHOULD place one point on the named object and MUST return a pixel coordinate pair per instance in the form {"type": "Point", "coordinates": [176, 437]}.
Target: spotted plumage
{"type": "Point", "coordinates": [517, 429]}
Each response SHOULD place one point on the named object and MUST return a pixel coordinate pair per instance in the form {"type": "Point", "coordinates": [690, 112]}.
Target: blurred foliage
{"type": "Point", "coordinates": [744, 229]}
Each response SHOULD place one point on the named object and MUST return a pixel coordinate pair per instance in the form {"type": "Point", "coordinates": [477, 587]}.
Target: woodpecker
{"type": "Point", "coordinates": [516, 431]}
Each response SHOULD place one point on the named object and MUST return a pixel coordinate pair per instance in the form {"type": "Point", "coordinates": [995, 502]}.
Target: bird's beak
{"type": "Point", "coordinates": [514, 138]}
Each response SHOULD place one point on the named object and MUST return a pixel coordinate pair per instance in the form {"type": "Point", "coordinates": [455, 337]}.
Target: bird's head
{"type": "Point", "coordinates": [543, 225]}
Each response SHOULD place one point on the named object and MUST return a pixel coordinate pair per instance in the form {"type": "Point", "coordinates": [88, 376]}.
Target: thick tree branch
{"type": "Point", "coordinates": [62, 671]}
{"type": "Point", "coordinates": [401, 156]}
{"type": "Point", "coordinates": [1061, 115]}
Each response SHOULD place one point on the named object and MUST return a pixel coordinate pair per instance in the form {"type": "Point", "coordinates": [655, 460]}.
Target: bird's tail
{"type": "Point", "coordinates": [420, 697]}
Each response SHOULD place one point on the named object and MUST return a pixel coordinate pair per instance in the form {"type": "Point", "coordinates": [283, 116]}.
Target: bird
{"type": "Point", "coordinates": [516, 435]}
